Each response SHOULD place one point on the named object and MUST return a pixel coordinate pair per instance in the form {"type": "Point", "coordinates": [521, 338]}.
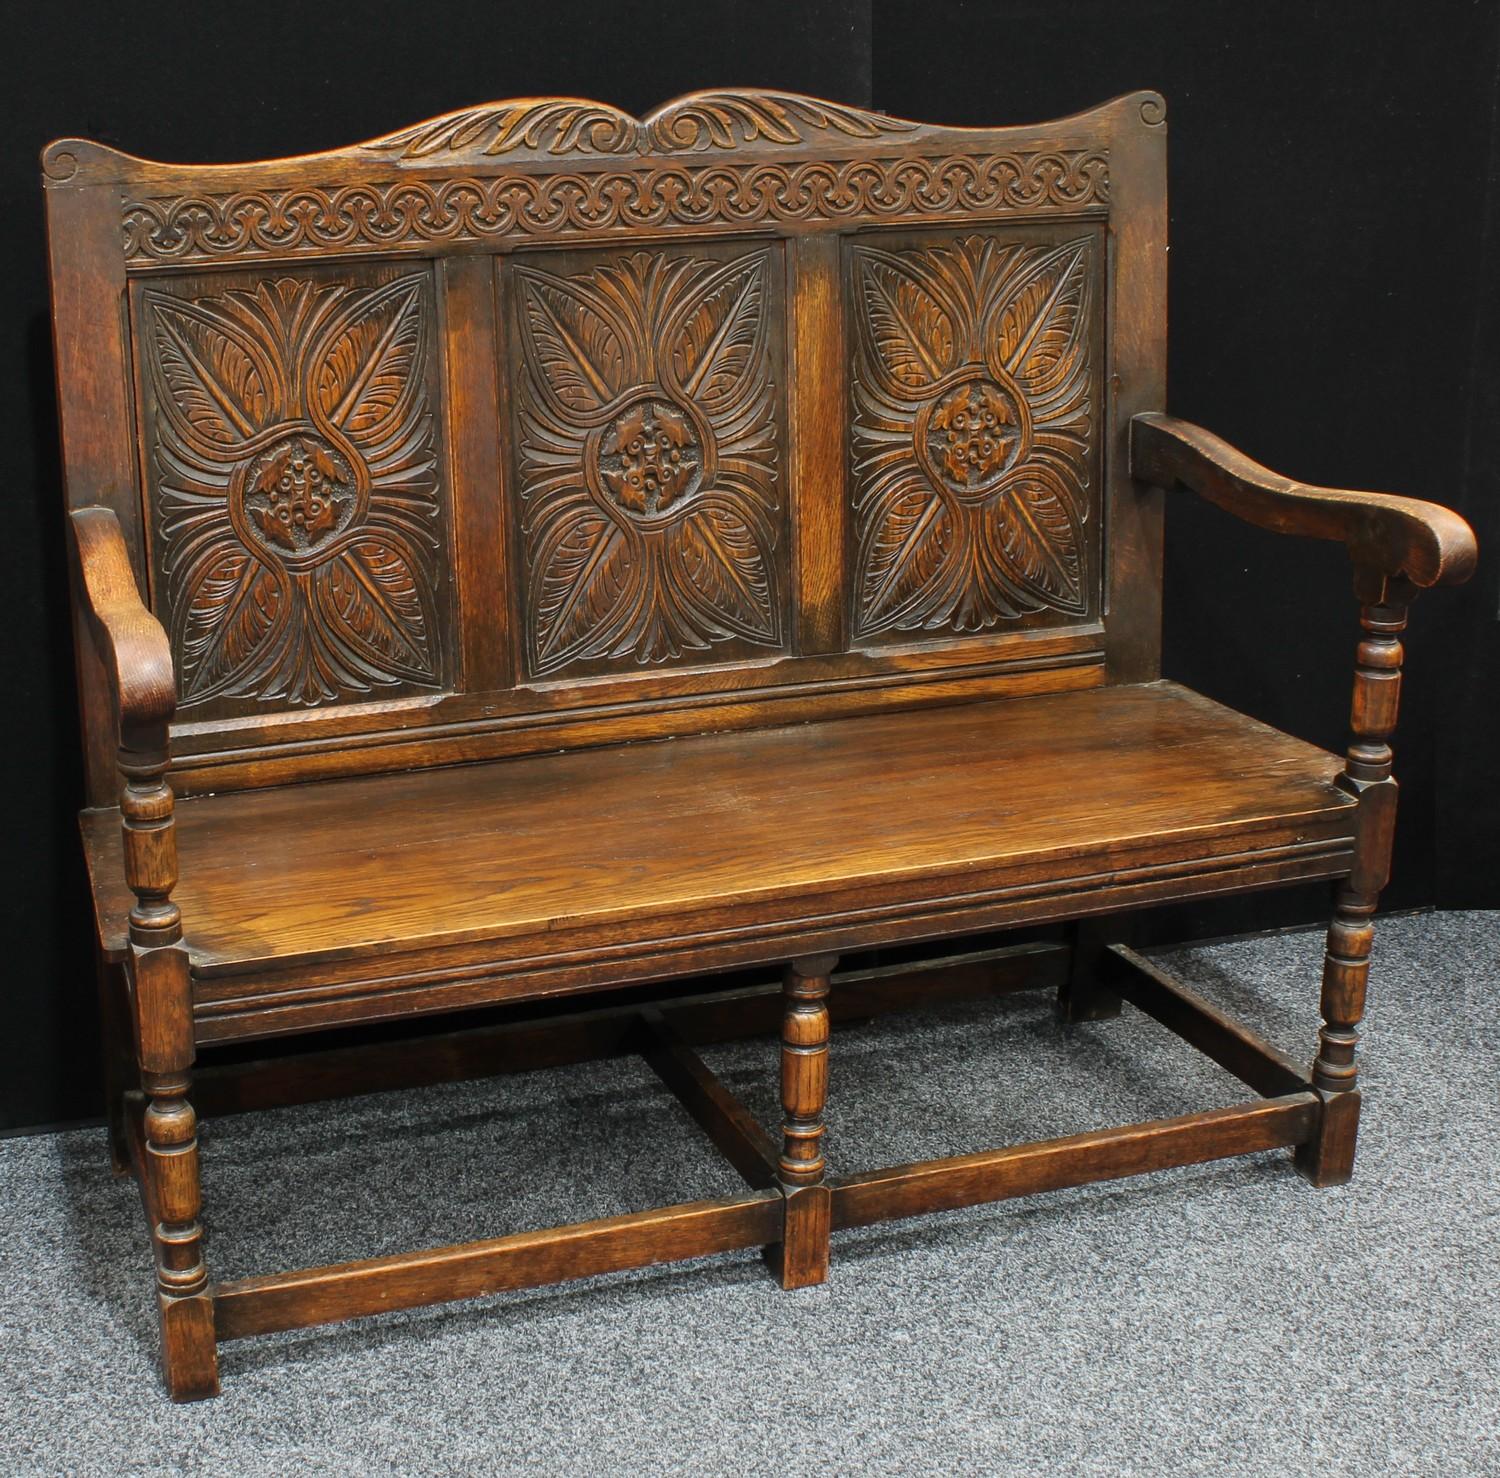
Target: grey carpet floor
{"type": "Point", "coordinates": [1219, 1319]}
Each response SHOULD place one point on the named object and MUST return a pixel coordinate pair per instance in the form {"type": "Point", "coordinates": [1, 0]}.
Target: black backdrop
{"type": "Point", "coordinates": [1332, 169]}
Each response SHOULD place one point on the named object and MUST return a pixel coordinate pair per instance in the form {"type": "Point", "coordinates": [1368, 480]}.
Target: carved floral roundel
{"type": "Point", "coordinates": [650, 458]}
{"type": "Point", "coordinates": [296, 497]}
{"type": "Point", "coordinates": [973, 434]}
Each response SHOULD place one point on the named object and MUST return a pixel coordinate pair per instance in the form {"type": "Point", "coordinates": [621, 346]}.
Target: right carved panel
{"type": "Point", "coordinates": [974, 458]}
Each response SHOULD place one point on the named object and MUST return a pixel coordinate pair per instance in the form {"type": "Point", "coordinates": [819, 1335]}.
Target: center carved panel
{"type": "Point", "coordinates": [297, 514]}
{"type": "Point", "coordinates": [972, 434]}
{"type": "Point", "coordinates": [651, 512]}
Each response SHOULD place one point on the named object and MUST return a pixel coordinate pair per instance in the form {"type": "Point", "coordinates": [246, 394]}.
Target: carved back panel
{"type": "Point", "coordinates": [540, 425]}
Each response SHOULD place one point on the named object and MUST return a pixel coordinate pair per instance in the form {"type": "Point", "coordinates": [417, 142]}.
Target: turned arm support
{"type": "Point", "coordinates": [1397, 539]}
{"type": "Point", "coordinates": [1399, 546]}
{"type": "Point", "coordinates": [137, 659]}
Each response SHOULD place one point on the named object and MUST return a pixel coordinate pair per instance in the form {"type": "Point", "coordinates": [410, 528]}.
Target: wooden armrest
{"type": "Point", "coordinates": [1405, 538]}
{"type": "Point", "coordinates": [132, 643]}
{"type": "Point", "coordinates": [137, 659]}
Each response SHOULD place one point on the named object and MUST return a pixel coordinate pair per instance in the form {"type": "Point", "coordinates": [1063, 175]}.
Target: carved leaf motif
{"type": "Point", "coordinates": [719, 120]}
{"type": "Point", "coordinates": [308, 667]}
{"type": "Point", "coordinates": [725, 573]}
{"type": "Point", "coordinates": [985, 595]}
{"type": "Point", "coordinates": [907, 542]}
{"type": "Point", "coordinates": [235, 612]}
{"type": "Point", "coordinates": [714, 348]}
{"type": "Point", "coordinates": [584, 575]}
{"type": "Point", "coordinates": [212, 373]}
{"type": "Point", "coordinates": [573, 340]}
{"type": "Point", "coordinates": [912, 333]}
{"type": "Point", "coordinates": [280, 310]}
{"type": "Point", "coordinates": [1041, 328]}
{"type": "Point", "coordinates": [722, 120]}
{"type": "Point", "coordinates": [363, 372]}
{"type": "Point", "coordinates": [560, 125]}
{"type": "Point", "coordinates": [1034, 532]}
{"type": "Point", "coordinates": [373, 600]}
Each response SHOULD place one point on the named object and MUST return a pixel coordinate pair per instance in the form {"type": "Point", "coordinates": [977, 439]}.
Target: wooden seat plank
{"type": "Point", "coordinates": [1063, 785]}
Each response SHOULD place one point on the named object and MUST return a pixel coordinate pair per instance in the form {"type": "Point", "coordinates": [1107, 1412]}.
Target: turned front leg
{"type": "Point", "coordinates": [1328, 1159]}
{"type": "Point", "coordinates": [801, 1259]}
{"type": "Point", "coordinates": [189, 1350]}
{"type": "Point", "coordinates": [162, 997]}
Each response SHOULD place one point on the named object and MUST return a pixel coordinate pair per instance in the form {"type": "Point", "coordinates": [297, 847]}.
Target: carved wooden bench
{"type": "Point", "coordinates": [417, 485]}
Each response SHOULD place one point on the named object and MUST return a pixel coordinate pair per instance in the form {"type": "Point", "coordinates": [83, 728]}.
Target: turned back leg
{"type": "Point", "coordinates": [118, 1054]}
{"type": "Point", "coordinates": [1083, 995]}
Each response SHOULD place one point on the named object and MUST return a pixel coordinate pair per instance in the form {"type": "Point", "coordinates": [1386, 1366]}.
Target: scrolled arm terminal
{"type": "Point", "coordinates": [132, 642]}
{"type": "Point", "coordinates": [1399, 538]}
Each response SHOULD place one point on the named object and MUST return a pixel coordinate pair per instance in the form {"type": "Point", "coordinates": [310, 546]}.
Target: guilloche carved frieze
{"type": "Point", "coordinates": [517, 207]}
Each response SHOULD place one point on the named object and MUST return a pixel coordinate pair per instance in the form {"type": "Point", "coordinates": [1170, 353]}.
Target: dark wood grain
{"type": "Point", "coordinates": [719, 1015]}
{"type": "Point", "coordinates": [237, 1008]}
{"type": "Point", "coordinates": [136, 655]}
{"type": "Point", "coordinates": [974, 432]}
{"type": "Point", "coordinates": [472, 1269]}
{"type": "Point", "coordinates": [649, 454]}
{"type": "Point", "coordinates": [441, 1057]}
{"type": "Point", "coordinates": [1030, 792]}
{"type": "Point", "coordinates": [1104, 1154]}
{"type": "Point", "coordinates": [818, 370]}
{"type": "Point", "coordinates": [1233, 1046]}
{"type": "Point", "coordinates": [718, 1113]}
{"type": "Point", "coordinates": [1368, 765]}
{"type": "Point", "coordinates": [136, 659]}
{"type": "Point", "coordinates": [727, 606]}
{"type": "Point", "coordinates": [482, 556]}
{"type": "Point", "coordinates": [1137, 383]}
{"type": "Point", "coordinates": [1084, 994]}
{"type": "Point", "coordinates": [800, 1258]}
{"type": "Point", "coordinates": [295, 477]}
{"type": "Point", "coordinates": [91, 354]}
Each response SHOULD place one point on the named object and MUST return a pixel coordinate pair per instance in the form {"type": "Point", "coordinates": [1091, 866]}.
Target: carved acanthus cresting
{"type": "Point", "coordinates": [499, 207]}
{"type": "Point", "coordinates": [972, 433]}
{"type": "Point", "coordinates": [651, 516]}
{"type": "Point", "coordinates": [297, 507]}
{"type": "Point", "coordinates": [704, 120]}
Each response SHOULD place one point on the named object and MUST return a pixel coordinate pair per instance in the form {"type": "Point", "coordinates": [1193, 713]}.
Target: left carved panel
{"type": "Point", "coordinates": [297, 509]}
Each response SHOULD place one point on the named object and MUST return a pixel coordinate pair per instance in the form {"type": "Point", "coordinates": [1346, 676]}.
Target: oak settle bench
{"type": "Point", "coordinates": [545, 550]}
